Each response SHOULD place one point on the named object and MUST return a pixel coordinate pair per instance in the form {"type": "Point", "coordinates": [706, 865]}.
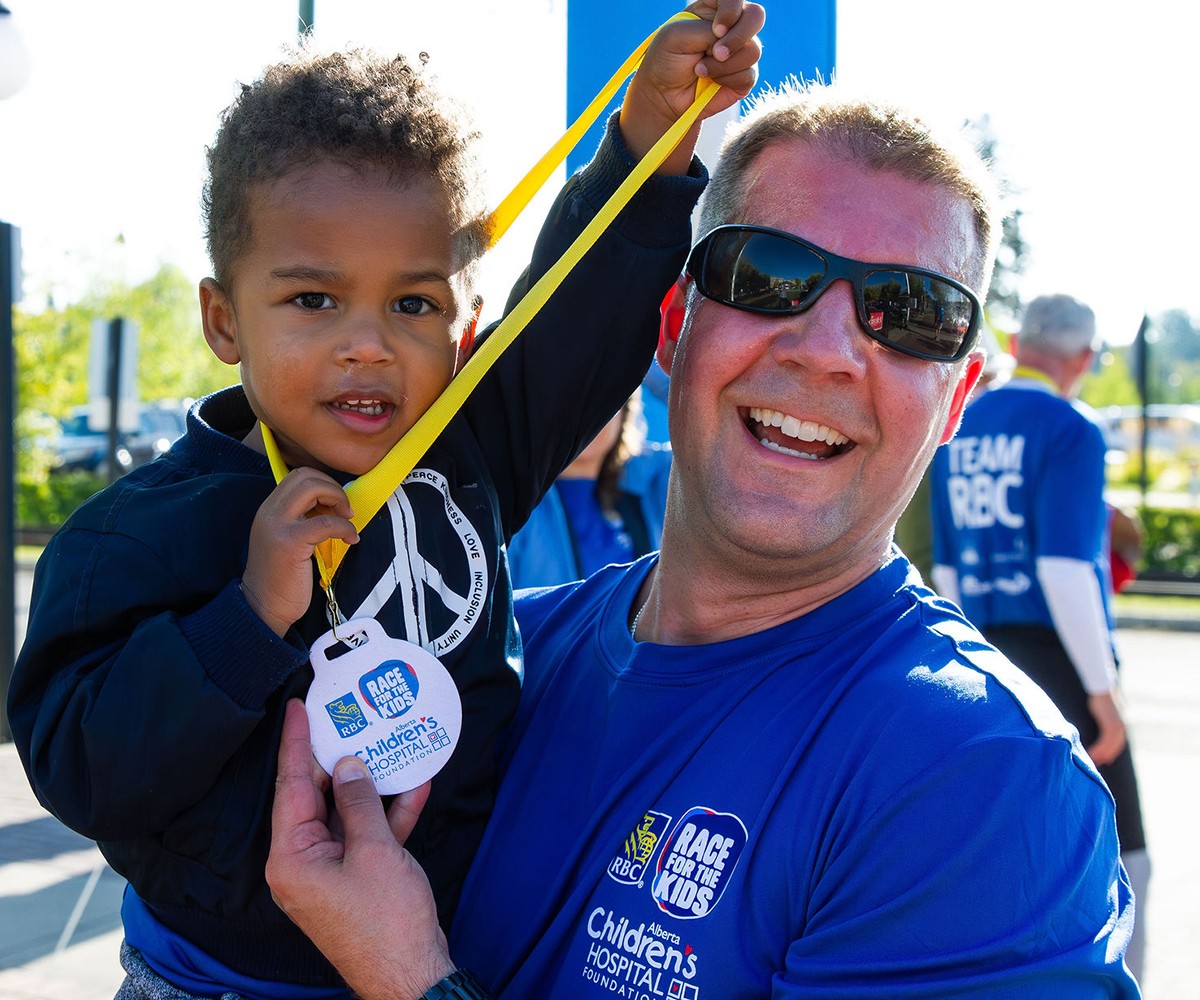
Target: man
{"type": "Point", "coordinates": [767, 762]}
{"type": "Point", "coordinates": [1020, 543]}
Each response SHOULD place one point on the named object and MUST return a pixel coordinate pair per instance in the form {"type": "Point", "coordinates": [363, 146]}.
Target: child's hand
{"type": "Point", "coordinates": [722, 46]}
{"type": "Point", "coordinates": [301, 512]}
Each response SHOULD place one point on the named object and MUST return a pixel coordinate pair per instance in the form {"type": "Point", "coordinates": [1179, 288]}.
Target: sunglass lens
{"type": "Point", "coordinates": [917, 313]}
{"type": "Point", "coordinates": [760, 271]}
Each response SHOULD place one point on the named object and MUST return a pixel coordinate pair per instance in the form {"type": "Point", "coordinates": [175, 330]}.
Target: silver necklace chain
{"type": "Point", "coordinates": [637, 618]}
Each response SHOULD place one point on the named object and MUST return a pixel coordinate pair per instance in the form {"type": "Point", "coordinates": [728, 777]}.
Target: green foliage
{"type": "Point", "coordinates": [52, 350]}
{"type": "Point", "coordinates": [1003, 298]}
{"type": "Point", "coordinates": [47, 501]}
{"type": "Point", "coordinates": [1173, 358]}
{"type": "Point", "coordinates": [52, 347]}
{"type": "Point", "coordinates": [1112, 383]}
{"type": "Point", "coordinates": [1128, 471]}
{"type": "Point", "coordinates": [1172, 542]}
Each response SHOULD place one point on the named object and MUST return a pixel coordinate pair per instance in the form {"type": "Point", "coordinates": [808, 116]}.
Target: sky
{"type": "Point", "coordinates": [102, 151]}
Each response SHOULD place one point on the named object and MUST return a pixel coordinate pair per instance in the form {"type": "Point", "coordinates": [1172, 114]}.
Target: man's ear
{"type": "Point", "coordinates": [670, 324]}
{"type": "Point", "coordinates": [466, 339]}
{"type": "Point", "coordinates": [219, 322]}
{"type": "Point", "coordinates": [962, 393]}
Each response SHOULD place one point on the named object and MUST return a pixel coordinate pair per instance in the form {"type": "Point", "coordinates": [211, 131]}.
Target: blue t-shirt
{"type": "Point", "coordinates": [867, 801]}
{"type": "Point", "coordinates": [1022, 479]}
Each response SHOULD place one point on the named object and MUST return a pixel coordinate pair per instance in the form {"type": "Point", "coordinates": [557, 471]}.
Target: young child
{"type": "Point", "coordinates": [172, 616]}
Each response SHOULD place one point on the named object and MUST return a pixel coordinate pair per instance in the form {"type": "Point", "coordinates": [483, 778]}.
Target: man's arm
{"type": "Point", "coordinates": [361, 897]}
{"type": "Point", "coordinates": [1076, 605]}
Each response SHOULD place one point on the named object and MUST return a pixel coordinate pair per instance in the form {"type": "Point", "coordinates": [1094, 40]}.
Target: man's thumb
{"type": "Point", "coordinates": [358, 804]}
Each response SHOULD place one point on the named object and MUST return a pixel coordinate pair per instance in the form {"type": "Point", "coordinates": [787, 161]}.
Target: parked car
{"type": "Point", "coordinates": [79, 448]}
{"type": "Point", "coordinates": [1171, 428]}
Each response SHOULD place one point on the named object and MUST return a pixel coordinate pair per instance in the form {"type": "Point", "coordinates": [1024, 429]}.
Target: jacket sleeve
{"type": "Point", "coordinates": [588, 348]}
{"type": "Point", "coordinates": [135, 687]}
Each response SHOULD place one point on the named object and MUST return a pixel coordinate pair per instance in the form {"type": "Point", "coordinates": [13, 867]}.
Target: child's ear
{"type": "Point", "coordinates": [670, 324]}
{"type": "Point", "coordinates": [220, 324]}
{"type": "Point", "coordinates": [466, 340]}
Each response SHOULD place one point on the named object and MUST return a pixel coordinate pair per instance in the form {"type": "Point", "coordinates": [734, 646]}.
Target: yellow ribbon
{"type": "Point", "coordinates": [369, 492]}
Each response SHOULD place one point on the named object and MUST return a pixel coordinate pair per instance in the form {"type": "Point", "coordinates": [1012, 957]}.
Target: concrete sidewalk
{"type": "Point", "coordinates": [59, 904]}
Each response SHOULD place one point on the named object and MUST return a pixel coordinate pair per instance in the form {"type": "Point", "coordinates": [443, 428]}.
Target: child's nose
{"type": "Point", "coordinates": [366, 341]}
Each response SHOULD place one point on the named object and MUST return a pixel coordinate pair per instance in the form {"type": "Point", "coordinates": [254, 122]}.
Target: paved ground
{"type": "Point", "coordinates": [60, 929]}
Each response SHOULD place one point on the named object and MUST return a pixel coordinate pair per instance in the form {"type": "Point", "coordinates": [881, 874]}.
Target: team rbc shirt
{"type": "Point", "coordinates": [1022, 479]}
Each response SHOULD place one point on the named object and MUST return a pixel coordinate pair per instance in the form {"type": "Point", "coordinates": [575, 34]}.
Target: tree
{"type": "Point", "coordinates": [1173, 352]}
{"type": "Point", "coordinates": [1003, 301]}
{"type": "Point", "coordinates": [1112, 384]}
{"type": "Point", "coordinates": [52, 347]}
{"type": "Point", "coordinates": [52, 350]}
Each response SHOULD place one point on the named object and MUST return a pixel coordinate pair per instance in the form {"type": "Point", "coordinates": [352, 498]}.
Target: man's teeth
{"type": "Point", "coordinates": [802, 430]}
{"type": "Point", "coordinates": [367, 407]}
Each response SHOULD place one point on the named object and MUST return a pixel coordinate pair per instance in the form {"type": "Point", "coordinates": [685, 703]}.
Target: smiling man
{"type": "Point", "coordinates": [768, 762]}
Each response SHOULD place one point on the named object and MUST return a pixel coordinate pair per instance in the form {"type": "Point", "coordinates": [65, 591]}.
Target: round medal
{"type": "Point", "coordinates": [386, 701]}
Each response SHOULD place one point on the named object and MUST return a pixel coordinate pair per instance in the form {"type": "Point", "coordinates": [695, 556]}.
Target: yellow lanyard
{"type": "Point", "coordinates": [370, 491]}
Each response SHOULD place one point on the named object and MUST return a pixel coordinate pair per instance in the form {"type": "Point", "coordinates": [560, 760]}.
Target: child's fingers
{"type": "Point", "coordinates": [316, 528]}
{"type": "Point", "coordinates": [738, 34]}
{"type": "Point", "coordinates": [738, 72]}
{"type": "Point", "coordinates": [303, 490]}
{"type": "Point", "coordinates": [726, 16]}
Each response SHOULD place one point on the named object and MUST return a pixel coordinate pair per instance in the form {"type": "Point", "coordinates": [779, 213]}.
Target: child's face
{"type": "Point", "coordinates": [346, 313]}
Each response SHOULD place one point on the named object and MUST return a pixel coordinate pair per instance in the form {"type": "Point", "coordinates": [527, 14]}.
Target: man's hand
{"type": "Point", "coordinates": [1110, 740]}
{"type": "Point", "coordinates": [722, 46]}
{"type": "Point", "coordinates": [363, 901]}
{"type": "Point", "coordinates": [302, 511]}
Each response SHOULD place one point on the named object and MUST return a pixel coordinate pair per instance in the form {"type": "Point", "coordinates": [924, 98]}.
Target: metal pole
{"type": "Point", "coordinates": [116, 331]}
{"type": "Point", "coordinates": [304, 23]}
{"type": "Point", "coordinates": [1142, 355]}
{"type": "Point", "coordinates": [9, 263]}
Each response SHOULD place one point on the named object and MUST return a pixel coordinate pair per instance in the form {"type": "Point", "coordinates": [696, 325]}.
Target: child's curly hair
{"type": "Point", "coordinates": [354, 107]}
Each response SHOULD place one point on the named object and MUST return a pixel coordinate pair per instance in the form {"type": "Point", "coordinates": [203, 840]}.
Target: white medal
{"type": "Point", "coordinates": [387, 701]}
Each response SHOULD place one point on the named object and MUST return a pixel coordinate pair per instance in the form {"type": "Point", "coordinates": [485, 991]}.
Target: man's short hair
{"type": "Point", "coordinates": [871, 133]}
{"type": "Point", "coordinates": [1059, 325]}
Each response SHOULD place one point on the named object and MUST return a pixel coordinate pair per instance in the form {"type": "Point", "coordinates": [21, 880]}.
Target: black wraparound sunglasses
{"type": "Point", "coordinates": [909, 309]}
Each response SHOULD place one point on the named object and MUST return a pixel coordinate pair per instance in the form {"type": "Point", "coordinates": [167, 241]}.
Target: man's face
{"type": "Point", "coordinates": [345, 314]}
{"type": "Point", "coordinates": [772, 491]}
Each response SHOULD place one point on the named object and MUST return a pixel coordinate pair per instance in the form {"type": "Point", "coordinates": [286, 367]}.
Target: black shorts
{"type": "Point", "coordinates": [1038, 651]}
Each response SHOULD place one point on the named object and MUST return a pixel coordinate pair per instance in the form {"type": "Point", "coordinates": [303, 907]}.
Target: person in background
{"type": "Point", "coordinates": [1021, 544]}
{"type": "Point", "coordinates": [606, 507]}
{"type": "Point", "coordinates": [1126, 540]}
{"type": "Point", "coordinates": [655, 388]}
{"type": "Point", "coordinates": [765, 762]}
{"type": "Point", "coordinates": [914, 530]}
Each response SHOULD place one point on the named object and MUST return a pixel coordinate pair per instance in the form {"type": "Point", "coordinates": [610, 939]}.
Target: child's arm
{"type": "Point", "coordinates": [722, 46]}
{"type": "Point", "coordinates": [589, 346]}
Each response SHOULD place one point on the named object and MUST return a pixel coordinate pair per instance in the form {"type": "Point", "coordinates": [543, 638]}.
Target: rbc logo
{"type": "Point", "coordinates": [639, 847]}
{"type": "Point", "coordinates": [347, 717]}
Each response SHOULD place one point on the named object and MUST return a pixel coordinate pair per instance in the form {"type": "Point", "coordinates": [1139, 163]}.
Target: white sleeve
{"type": "Point", "coordinates": [1073, 595]}
{"type": "Point", "coordinates": [945, 582]}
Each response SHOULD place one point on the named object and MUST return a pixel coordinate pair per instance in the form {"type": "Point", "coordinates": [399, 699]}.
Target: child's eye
{"type": "Point", "coordinates": [312, 300]}
{"type": "Point", "coordinates": [415, 305]}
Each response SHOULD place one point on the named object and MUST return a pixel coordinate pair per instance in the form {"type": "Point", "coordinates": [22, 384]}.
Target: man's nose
{"type": "Point", "coordinates": [826, 337]}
